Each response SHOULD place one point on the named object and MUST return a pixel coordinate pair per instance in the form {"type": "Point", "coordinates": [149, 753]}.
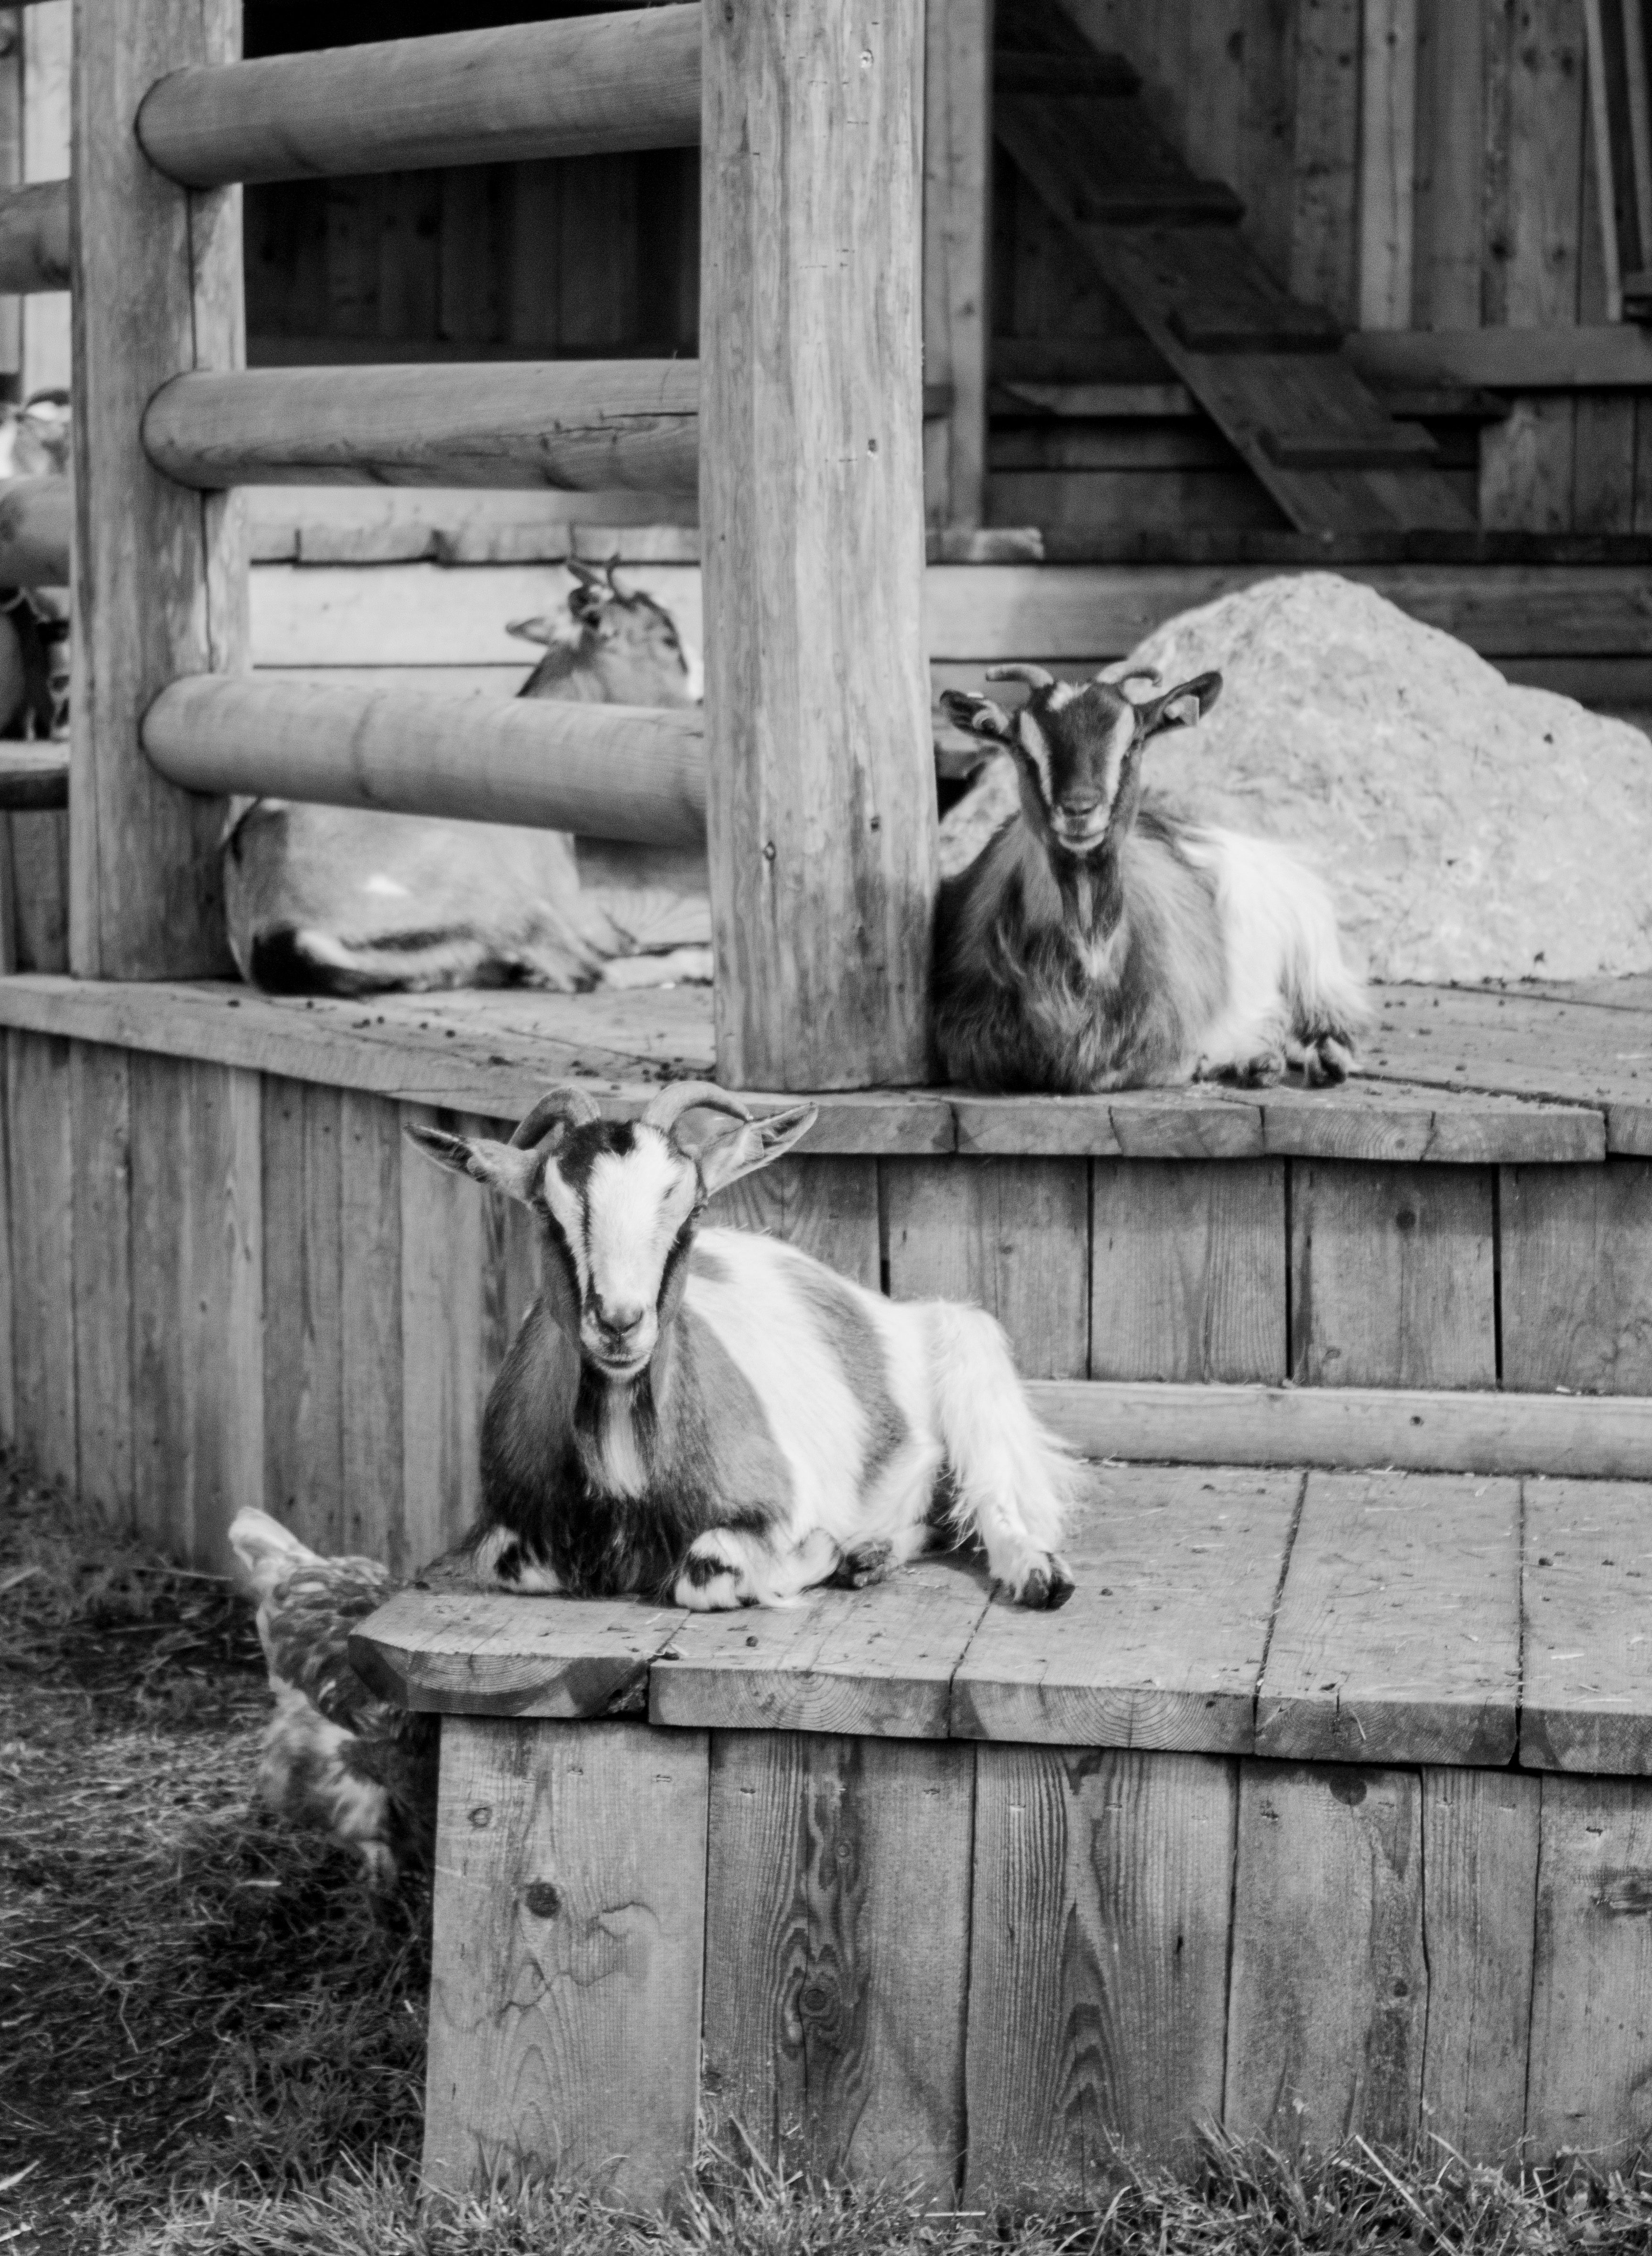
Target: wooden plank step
{"type": "Point", "coordinates": [1398, 447]}
{"type": "Point", "coordinates": [33, 777]}
{"type": "Point", "coordinates": [466, 1653]}
{"type": "Point", "coordinates": [1587, 1703]}
{"type": "Point", "coordinates": [1260, 321]}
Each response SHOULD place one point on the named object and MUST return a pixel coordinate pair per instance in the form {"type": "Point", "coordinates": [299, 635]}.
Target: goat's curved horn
{"type": "Point", "coordinates": [1150, 674]}
{"type": "Point", "coordinates": [582, 572]}
{"type": "Point", "coordinates": [567, 1103]}
{"type": "Point", "coordinates": [1035, 677]}
{"type": "Point", "coordinates": [680, 1097]}
{"type": "Point", "coordinates": [623, 592]}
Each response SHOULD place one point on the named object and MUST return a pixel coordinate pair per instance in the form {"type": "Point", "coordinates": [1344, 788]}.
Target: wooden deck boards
{"type": "Point", "coordinates": [1455, 1074]}
{"type": "Point", "coordinates": [1385, 1619]}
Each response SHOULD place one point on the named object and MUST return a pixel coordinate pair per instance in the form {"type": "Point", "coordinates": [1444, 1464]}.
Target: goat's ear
{"type": "Point", "coordinates": [966, 710]}
{"type": "Point", "coordinates": [1181, 706]}
{"type": "Point", "coordinates": [501, 1167]}
{"type": "Point", "coordinates": [753, 1144]}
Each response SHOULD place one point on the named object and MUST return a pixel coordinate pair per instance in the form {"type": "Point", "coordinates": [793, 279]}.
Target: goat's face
{"type": "Point", "coordinates": [1078, 747]}
{"type": "Point", "coordinates": [617, 1201]}
{"type": "Point", "coordinates": [625, 636]}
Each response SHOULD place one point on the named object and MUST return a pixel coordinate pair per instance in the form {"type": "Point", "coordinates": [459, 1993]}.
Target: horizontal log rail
{"type": "Point", "coordinates": [583, 427]}
{"type": "Point", "coordinates": [33, 777]}
{"type": "Point", "coordinates": [604, 771]}
{"type": "Point", "coordinates": [34, 239]}
{"type": "Point", "coordinates": [575, 88]}
{"type": "Point", "coordinates": [35, 514]}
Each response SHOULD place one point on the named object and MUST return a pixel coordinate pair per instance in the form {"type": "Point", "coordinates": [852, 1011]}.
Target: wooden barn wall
{"type": "Point", "coordinates": [1410, 164]}
{"type": "Point", "coordinates": [230, 1287]}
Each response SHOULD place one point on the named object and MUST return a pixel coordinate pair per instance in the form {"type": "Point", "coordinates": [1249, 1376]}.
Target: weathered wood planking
{"type": "Point", "coordinates": [1390, 1645]}
{"type": "Point", "coordinates": [305, 1353]}
{"type": "Point", "coordinates": [1575, 1255]}
{"type": "Point", "coordinates": [370, 1389]}
{"type": "Point", "coordinates": [1587, 1599]}
{"type": "Point", "coordinates": [1013, 1236]}
{"type": "Point", "coordinates": [1187, 1277]}
{"type": "Point", "coordinates": [837, 1952]}
{"type": "Point", "coordinates": [463, 1652]}
{"type": "Point", "coordinates": [828, 1207]}
{"type": "Point", "coordinates": [1391, 1276]}
{"type": "Point", "coordinates": [100, 1128]}
{"type": "Point", "coordinates": [444, 1376]}
{"type": "Point", "coordinates": [1592, 1977]}
{"type": "Point", "coordinates": [569, 1937]}
{"type": "Point", "coordinates": [957, 253]}
{"type": "Point", "coordinates": [1162, 1643]}
{"type": "Point", "coordinates": [1479, 1866]}
{"type": "Point", "coordinates": [1329, 1989]}
{"type": "Point", "coordinates": [878, 1661]}
{"type": "Point", "coordinates": [42, 1252]}
{"type": "Point", "coordinates": [1098, 1963]}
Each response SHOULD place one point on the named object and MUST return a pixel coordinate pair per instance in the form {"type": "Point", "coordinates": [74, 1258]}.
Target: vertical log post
{"type": "Point", "coordinates": [958, 205]}
{"type": "Point", "coordinates": [821, 793]}
{"type": "Point", "coordinates": [160, 573]}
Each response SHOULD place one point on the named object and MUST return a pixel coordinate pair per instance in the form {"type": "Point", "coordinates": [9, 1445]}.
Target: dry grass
{"type": "Point", "coordinates": [211, 2039]}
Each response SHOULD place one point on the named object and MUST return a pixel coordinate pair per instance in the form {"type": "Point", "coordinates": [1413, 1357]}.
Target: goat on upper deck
{"type": "Point", "coordinates": [1098, 941]}
{"type": "Point", "coordinates": [716, 1415]}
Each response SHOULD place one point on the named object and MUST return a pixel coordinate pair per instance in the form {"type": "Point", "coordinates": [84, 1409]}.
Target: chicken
{"type": "Point", "coordinates": [335, 1755]}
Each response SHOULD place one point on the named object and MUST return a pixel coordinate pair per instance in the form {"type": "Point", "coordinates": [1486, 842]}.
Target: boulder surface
{"type": "Point", "coordinates": [1469, 829]}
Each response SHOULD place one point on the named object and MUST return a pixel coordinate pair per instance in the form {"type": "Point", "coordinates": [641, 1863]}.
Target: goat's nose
{"type": "Point", "coordinates": [620, 1320]}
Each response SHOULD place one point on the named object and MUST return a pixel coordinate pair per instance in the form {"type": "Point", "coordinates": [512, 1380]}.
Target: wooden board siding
{"type": "Point", "coordinates": [1187, 1273]}
{"type": "Point", "coordinates": [1576, 1254]}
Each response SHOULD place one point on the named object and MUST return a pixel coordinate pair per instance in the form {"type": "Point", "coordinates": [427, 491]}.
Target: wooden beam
{"type": "Point", "coordinates": [35, 517]}
{"type": "Point", "coordinates": [822, 799]}
{"type": "Point", "coordinates": [34, 238]}
{"type": "Point", "coordinates": [588, 425]}
{"type": "Point", "coordinates": [34, 776]}
{"type": "Point", "coordinates": [602, 771]}
{"type": "Point", "coordinates": [520, 91]}
{"type": "Point", "coordinates": [160, 578]}
{"type": "Point", "coordinates": [1603, 359]}
{"type": "Point", "coordinates": [958, 76]}
{"type": "Point", "coordinates": [1409, 1429]}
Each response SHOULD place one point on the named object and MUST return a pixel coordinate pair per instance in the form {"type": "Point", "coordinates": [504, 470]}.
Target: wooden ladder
{"type": "Point", "coordinates": [1267, 368]}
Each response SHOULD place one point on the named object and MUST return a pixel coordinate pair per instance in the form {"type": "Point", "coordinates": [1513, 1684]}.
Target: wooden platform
{"type": "Point", "coordinates": [231, 1282]}
{"type": "Point", "coordinates": [1320, 1810]}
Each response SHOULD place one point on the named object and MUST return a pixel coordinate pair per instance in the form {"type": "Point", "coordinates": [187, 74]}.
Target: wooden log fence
{"type": "Point", "coordinates": [580, 89]}
{"type": "Point", "coordinates": [584, 425]}
{"type": "Point", "coordinates": [603, 770]}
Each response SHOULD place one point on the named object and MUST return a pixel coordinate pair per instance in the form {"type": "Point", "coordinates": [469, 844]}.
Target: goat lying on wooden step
{"type": "Point", "coordinates": [1097, 941]}
{"type": "Point", "coordinates": [333, 900]}
{"type": "Point", "coordinates": [714, 1414]}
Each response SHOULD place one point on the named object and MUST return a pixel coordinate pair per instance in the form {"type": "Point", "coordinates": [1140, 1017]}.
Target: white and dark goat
{"type": "Point", "coordinates": [346, 902]}
{"type": "Point", "coordinates": [1100, 941]}
{"type": "Point", "coordinates": [713, 1416]}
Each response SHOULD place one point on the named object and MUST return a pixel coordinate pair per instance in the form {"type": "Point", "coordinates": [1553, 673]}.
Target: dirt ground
{"type": "Point", "coordinates": [212, 2037]}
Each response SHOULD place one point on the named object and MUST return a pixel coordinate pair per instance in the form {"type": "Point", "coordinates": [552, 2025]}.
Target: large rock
{"type": "Point", "coordinates": [1469, 829]}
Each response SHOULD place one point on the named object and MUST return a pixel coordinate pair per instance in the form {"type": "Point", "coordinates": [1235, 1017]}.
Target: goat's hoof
{"type": "Point", "coordinates": [1330, 1059]}
{"type": "Point", "coordinates": [1261, 1071]}
{"type": "Point", "coordinates": [1047, 1586]}
{"type": "Point", "coordinates": [710, 1583]}
{"type": "Point", "coordinates": [862, 1564]}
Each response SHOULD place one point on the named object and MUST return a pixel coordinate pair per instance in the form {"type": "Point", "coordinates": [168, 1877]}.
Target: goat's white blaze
{"type": "Point", "coordinates": [1036, 746]}
{"type": "Point", "coordinates": [620, 1223]}
{"type": "Point", "coordinates": [1113, 767]}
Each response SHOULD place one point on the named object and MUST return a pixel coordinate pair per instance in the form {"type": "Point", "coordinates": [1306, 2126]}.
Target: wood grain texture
{"type": "Point", "coordinates": [40, 881]}
{"type": "Point", "coordinates": [1387, 162]}
{"type": "Point", "coordinates": [588, 425]}
{"type": "Point", "coordinates": [1576, 1277]}
{"type": "Point", "coordinates": [877, 1662]}
{"type": "Point", "coordinates": [1451, 137]}
{"type": "Point", "coordinates": [159, 584]}
{"type": "Point", "coordinates": [958, 252]}
{"type": "Point", "coordinates": [837, 1953]}
{"type": "Point", "coordinates": [1603, 1437]}
{"type": "Point", "coordinates": [443, 1381]}
{"type": "Point", "coordinates": [821, 805]}
{"type": "Point", "coordinates": [603, 770]}
{"type": "Point", "coordinates": [100, 1118]}
{"type": "Point", "coordinates": [1391, 1276]}
{"type": "Point", "coordinates": [306, 1252]}
{"type": "Point", "coordinates": [568, 1939]}
{"type": "Point", "coordinates": [495, 96]}
{"type": "Point", "coordinates": [42, 1254]}
{"type": "Point", "coordinates": [34, 238]}
{"type": "Point", "coordinates": [1012, 1235]}
{"type": "Point", "coordinates": [1480, 1886]}
{"type": "Point", "coordinates": [1391, 1644]}
{"type": "Point", "coordinates": [457, 1653]}
{"type": "Point", "coordinates": [1098, 1964]}
{"type": "Point", "coordinates": [1329, 1991]}
{"type": "Point", "coordinates": [1162, 1642]}
{"type": "Point", "coordinates": [1588, 1641]}
{"type": "Point", "coordinates": [826, 1208]}
{"type": "Point", "coordinates": [370, 1329]}
{"type": "Point", "coordinates": [1325, 232]}
{"type": "Point", "coordinates": [1592, 1985]}
{"type": "Point", "coordinates": [1188, 1270]}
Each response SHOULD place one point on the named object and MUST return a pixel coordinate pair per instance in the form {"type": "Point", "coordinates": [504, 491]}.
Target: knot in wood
{"type": "Point", "coordinates": [542, 1898]}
